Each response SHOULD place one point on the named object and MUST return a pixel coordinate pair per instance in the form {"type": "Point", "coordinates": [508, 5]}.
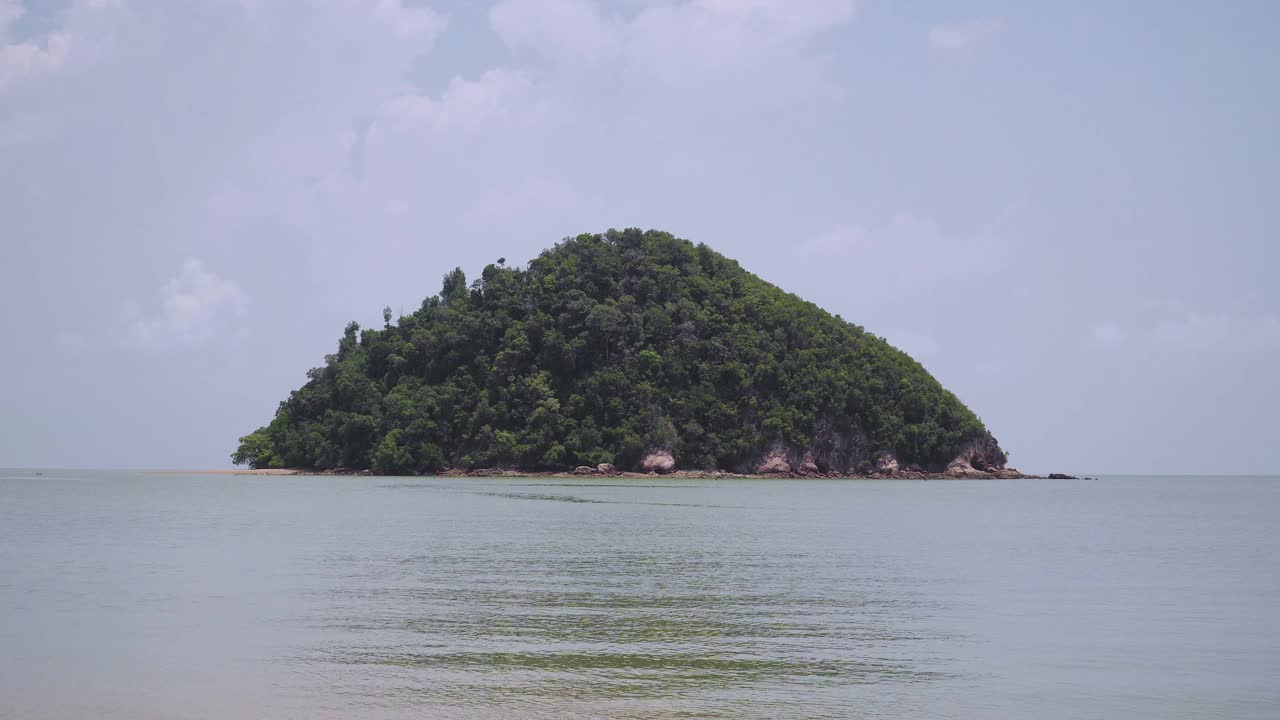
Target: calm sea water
{"type": "Point", "coordinates": [128, 595]}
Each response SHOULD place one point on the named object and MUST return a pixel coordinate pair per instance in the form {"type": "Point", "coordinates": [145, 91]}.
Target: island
{"type": "Point", "coordinates": [627, 351]}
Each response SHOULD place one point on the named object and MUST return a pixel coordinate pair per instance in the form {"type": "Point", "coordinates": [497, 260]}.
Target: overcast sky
{"type": "Point", "coordinates": [1066, 211]}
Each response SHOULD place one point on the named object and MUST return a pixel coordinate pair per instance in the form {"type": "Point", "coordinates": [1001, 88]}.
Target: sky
{"type": "Point", "coordinates": [1068, 212]}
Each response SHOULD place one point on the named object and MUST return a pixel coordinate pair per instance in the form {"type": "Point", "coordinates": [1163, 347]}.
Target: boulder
{"type": "Point", "coordinates": [659, 461]}
{"type": "Point", "coordinates": [886, 463]}
{"type": "Point", "coordinates": [584, 470]}
{"type": "Point", "coordinates": [961, 468]}
{"type": "Point", "coordinates": [774, 462]}
{"type": "Point", "coordinates": [1061, 476]}
{"type": "Point", "coordinates": [605, 468]}
{"type": "Point", "coordinates": [773, 465]}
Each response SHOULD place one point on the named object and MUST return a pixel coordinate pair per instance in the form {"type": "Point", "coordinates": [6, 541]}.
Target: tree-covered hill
{"type": "Point", "coordinates": [607, 348]}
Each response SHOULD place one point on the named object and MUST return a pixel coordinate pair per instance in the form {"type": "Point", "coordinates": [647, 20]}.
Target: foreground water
{"type": "Point", "coordinates": [128, 595]}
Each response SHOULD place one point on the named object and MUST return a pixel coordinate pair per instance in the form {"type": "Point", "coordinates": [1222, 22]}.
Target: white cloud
{"type": "Point", "coordinates": [10, 11]}
{"type": "Point", "coordinates": [196, 306]}
{"type": "Point", "coordinates": [1108, 334]}
{"type": "Point", "coordinates": [69, 43]}
{"type": "Point", "coordinates": [727, 25]}
{"type": "Point", "coordinates": [516, 202]}
{"type": "Point", "coordinates": [1175, 329]}
{"type": "Point", "coordinates": [158, 115]}
{"type": "Point", "coordinates": [413, 21]}
{"type": "Point", "coordinates": [71, 341]}
{"type": "Point", "coordinates": [907, 272]}
{"type": "Point", "coordinates": [671, 39]}
{"type": "Point", "coordinates": [962, 38]}
{"type": "Point", "coordinates": [571, 30]}
{"type": "Point", "coordinates": [1219, 331]}
{"type": "Point", "coordinates": [401, 19]}
{"type": "Point", "coordinates": [785, 17]}
{"type": "Point", "coordinates": [838, 241]}
{"type": "Point", "coordinates": [903, 231]}
{"type": "Point", "coordinates": [19, 60]}
{"type": "Point", "coordinates": [465, 105]}
{"type": "Point", "coordinates": [336, 145]}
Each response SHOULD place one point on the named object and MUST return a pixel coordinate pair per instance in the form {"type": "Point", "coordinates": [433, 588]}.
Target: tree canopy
{"type": "Point", "coordinates": [602, 348]}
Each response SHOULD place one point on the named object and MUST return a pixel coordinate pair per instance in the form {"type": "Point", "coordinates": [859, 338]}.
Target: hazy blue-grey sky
{"type": "Point", "coordinates": [1067, 211]}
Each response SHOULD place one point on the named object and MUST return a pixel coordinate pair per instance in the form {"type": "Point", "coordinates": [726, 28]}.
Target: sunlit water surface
{"type": "Point", "coordinates": [132, 595]}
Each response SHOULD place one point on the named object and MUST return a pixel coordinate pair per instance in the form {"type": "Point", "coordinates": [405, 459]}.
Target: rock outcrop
{"type": "Point", "coordinates": [847, 453]}
{"type": "Point", "coordinates": [982, 454]}
{"type": "Point", "coordinates": [774, 462]}
{"type": "Point", "coordinates": [886, 463]}
{"type": "Point", "coordinates": [808, 466]}
{"type": "Point", "coordinates": [832, 453]}
{"type": "Point", "coordinates": [838, 451]}
{"type": "Point", "coordinates": [660, 461]}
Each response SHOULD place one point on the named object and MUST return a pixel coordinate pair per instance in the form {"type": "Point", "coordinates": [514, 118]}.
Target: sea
{"type": "Point", "coordinates": [135, 595]}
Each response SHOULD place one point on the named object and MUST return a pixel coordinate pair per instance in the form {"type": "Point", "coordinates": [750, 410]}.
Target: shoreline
{"type": "Point", "coordinates": [675, 474]}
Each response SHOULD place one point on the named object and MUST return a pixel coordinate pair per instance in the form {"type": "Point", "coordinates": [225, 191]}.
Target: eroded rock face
{"type": "Point", "coordinates": [886, 463]}
{"type": "Point", "coordinates": [808, 466]}
{"type": "Point", "coordinates": [837, 451]}
{"type": "Point", "coordinates": [659, 461]}
{"type": "Point", "coordinates": [774, 462]}
{"type": "Point", "coordinates": [847, 453]}
{"type": "Point", "coordinates": [959, 468]}
{"type": "Point", "coordinates": [832, 452]}
{"type": "Point", "coordinates": [982, 454]}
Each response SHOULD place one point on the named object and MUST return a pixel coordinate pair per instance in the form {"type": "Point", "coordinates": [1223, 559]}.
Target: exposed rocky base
{"type": "Point", "coordinates": [847, 455]}
{"type": "Point", "coordinates": [832, 456]}
{"type": "Point", "coordinates": [587, 471]}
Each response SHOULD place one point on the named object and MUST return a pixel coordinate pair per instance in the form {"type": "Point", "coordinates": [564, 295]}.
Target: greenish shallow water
{"type": "Point", "coordinates": [127, 595]}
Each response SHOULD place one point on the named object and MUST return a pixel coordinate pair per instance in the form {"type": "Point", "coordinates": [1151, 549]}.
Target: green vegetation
{"type": "Point", "coordinates": [607, 346]}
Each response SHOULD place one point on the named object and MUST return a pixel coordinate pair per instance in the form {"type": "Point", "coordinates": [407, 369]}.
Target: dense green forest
{"type": "Point", "coordinates": [603, 348]}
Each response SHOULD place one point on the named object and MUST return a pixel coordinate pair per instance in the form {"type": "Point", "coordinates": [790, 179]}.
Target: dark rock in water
{"type": "Point", "coordinates": [1060, 476]}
